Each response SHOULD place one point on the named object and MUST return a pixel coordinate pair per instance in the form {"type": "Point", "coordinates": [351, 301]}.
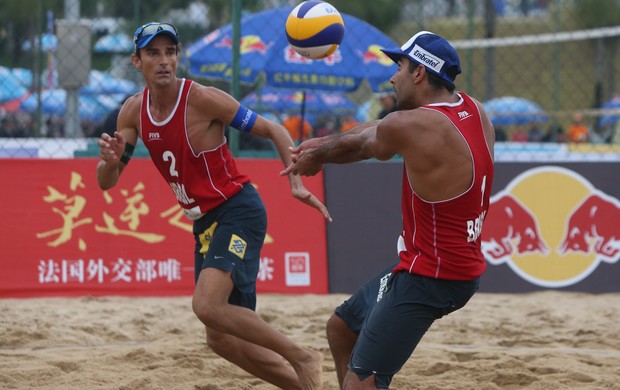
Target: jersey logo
{"type": "Point", "coordinates": [237, 246]}
{"type": "Point", "coordinates": [464, 115]}
{"type": "Point", "coordinates": [154, 136]}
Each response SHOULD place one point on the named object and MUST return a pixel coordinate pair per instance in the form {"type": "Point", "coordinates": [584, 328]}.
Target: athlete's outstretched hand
{"type": "Point", "coordinates": [304, 165]}
{"type": "Point", "coordinates": [301, 193]}
{"type": "Point", "coordinates": [111, 148]}
{"type": "Point", "coordinates": [304, 162]}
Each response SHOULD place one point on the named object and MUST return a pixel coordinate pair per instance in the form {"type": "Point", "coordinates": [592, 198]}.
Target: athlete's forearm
{"type": "Point", "coordinates": [346, 148]}
{"type": "Point", "coordinates": [108, 174]}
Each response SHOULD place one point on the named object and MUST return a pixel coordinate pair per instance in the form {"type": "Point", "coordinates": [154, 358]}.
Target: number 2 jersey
{"type": "Point", "coordinates": [442, 239]}
{"type": "Point", "coordinates": [200, 180]}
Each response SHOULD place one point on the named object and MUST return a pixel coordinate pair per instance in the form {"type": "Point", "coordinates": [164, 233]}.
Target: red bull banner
{"type": "Point", "coordinates": [553, 227]}
{"type": "Point", "coordinates": [548, 226]}
{"type": "Point", "coordinates": [63, 236]}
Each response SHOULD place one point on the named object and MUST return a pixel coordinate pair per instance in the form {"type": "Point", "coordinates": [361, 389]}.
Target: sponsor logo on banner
{"type": "Point", "coordinates": [552, 227]}
{"type": "Point", "coordinates": [297, 267]}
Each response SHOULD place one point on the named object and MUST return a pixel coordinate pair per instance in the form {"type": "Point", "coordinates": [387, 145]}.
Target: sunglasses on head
{"type": "Point", "coordinates": [151, 29]}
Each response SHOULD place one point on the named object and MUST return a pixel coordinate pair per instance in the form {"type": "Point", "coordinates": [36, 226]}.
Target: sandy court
{"type": "Point", "coordinates": [546, 340]}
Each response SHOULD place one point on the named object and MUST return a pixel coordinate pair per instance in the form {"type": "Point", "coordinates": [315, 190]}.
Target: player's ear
{"type": "Point", "coordinates": [136, 61]}
{"type": "Point", "coordinates": [420, 70]}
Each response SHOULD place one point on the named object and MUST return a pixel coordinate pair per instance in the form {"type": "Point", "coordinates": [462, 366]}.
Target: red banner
{"type": "Point", "coordinates": [63, 236]}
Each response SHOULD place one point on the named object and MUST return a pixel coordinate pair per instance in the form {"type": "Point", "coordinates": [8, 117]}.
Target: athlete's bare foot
{"type": "Point", "coordinates": [310, 371]}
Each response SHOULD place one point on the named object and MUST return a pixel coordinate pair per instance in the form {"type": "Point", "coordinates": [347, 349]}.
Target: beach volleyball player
{"type": "Point", "coordinates": [447, 143]}
{"type": "Point", "coordinates": [182, 125]}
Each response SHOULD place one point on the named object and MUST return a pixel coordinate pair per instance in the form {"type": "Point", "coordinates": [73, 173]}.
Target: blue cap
{"type": "Point", "coordinates": [145, 33]}
{"type": "Point", "coordinates": [432, 51]}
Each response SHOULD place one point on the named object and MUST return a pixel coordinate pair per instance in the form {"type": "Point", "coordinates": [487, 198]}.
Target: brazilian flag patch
{"type": "Point", "coordinates": [237, 246]}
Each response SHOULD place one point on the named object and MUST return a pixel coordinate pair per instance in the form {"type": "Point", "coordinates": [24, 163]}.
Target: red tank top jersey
{"type": "Point", "coordinates": [442, 239]}
{"type": "Point", "coordinates": [200, 180]}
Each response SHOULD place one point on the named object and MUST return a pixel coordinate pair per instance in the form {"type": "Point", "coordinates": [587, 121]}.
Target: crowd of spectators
{"type": "Point", "coordinates": [580, 130]}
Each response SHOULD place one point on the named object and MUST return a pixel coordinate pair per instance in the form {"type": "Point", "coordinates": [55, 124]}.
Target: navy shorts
{"type": "Point", "coordinates": [230, 237]}
{"type": "Point", "coordinates": [355, 309]}
{"type": "Point", "coordinates": [394, 312]}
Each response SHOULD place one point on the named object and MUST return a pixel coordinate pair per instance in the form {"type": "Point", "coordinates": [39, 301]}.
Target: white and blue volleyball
{"type": "Point", "coordinates": [314, 29]}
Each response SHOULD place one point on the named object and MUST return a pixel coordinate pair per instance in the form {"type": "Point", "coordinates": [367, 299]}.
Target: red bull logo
{"type": "Point", "coordinates": [552, 227]}
{"type": "Point", "coordinates": [247, 44]}
{"type": "Point", "coordinates": [374, 54]}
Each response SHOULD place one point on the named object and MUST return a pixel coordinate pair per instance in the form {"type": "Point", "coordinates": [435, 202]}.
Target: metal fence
{"type": "Point", "coordinates": [539, 66]}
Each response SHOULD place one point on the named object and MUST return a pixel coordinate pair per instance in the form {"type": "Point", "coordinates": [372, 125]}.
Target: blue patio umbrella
{"type": "Point", "coordinates": [265, 50]}
{"type": "Point", "coordinates": [610, 119]}
{"type": "Point", "coordinates": [103, 83]}
{"type": "Point", "coordinates": [49, 42]}
{"type": "Point", "coordinates": [91, 107]}
{"type": "Point", "coordinates": [278, 100]}
{"type": "Point", "coordinates": [511, 110]}
{"type": "Point", "coordinates": [100, 83]}
{"type": "Point", "coordinates": [114, 43]}
{"type": "Point", "coordinates": [23, 76]}
{"type": "Point", "coordinates": [11, 87]}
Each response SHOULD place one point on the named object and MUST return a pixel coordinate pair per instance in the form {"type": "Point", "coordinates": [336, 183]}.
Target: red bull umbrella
{"type": "Point", "coordinates": [264, 48]}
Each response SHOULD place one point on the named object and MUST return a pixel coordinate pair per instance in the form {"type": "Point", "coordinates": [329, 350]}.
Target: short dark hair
{"type": "Point", "coordinates": [434, 80]}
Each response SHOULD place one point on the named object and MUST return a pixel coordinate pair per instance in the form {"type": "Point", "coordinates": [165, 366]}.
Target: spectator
{"type": "Point", "coordinates": [294, 126]}
{"type": "Point", "coordinates": [348, 123]}
{"type": "Point", "coordinates": [326, 126]}
{"type": "Point", "coordinates": [388, 103]}
{"type": "Point", "coordinates": [535, 134]}
{"type": "Point", "coordinates": [554, 133]}
{"type": "Point", "coordinates": [560, 135]}
{"type": "Point", "coordinates": [500, 134]}
{"type": "Point", "coordinates": [578, 132]}
{"type": "Point", "coordinates": [519, 135]}
{"type": "Point", "coordinates": [601, 135]}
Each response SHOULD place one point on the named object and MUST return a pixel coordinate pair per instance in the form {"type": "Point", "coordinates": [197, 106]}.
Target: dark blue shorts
{"type": "Point", "coordinates": [355, 309]}
{"type": "Point", "coordinates": [230, 237]}
{"type": "Point", "coordinates": [394, 317]}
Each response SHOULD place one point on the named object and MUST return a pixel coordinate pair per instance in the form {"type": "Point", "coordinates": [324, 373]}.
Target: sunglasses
{"type": "Point", "coordinates": [153, 28]}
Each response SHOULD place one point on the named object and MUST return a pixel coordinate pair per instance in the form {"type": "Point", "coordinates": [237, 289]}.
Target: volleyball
{"type": "Point", "coordinates": [314, 29]}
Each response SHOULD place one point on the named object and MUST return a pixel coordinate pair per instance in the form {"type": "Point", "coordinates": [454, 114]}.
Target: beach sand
{"type": "Point", "coordinates": [544, 340]}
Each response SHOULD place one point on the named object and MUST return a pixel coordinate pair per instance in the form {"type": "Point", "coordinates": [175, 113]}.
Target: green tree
{"type": "Point", "coordinates": [383, 14]}
{"type": "Point", "coordinates": [601, 13]}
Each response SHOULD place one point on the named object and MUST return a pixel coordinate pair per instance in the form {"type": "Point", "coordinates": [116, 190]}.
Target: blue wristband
{"type": "Point", "coordinates": [244, 119]}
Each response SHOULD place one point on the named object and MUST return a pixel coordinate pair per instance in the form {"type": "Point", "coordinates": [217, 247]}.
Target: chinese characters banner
{"type": "Point", "coordinates": [62, 236]}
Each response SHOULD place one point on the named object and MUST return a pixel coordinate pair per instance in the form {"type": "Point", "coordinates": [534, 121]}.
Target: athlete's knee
{"type": "Point", "coordinates": [209, 313]}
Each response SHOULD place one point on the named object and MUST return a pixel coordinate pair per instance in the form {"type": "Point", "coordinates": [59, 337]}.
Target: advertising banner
{"type": "Point", "coordinates": [549, 226]}
{"type": "Point", "coordinates": [61, 235]}
{"type": "Point", "coordinates": [553, 227]}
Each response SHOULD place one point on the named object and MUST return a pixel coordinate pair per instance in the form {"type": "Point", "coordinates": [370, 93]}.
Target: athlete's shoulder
{"type": "Point", "coordinates": [132, 104]}
{"type": "Point", "coordinates": [415, 118]}
{"type": "Point", "coordinates": [207, 94]}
